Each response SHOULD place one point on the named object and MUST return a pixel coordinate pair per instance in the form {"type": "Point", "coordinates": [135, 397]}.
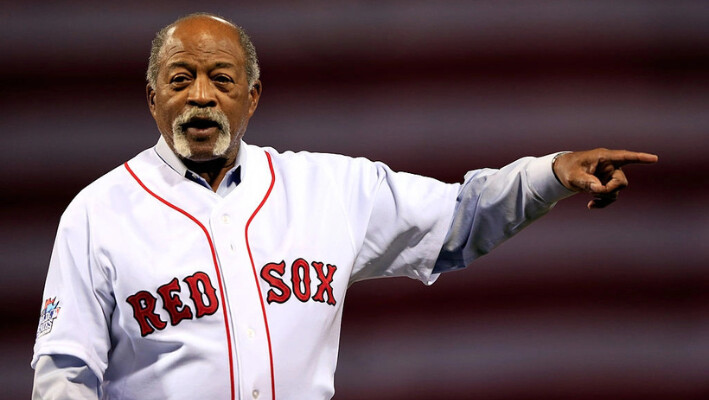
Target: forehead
{"type": "Point", "coordinates": [202, 39]}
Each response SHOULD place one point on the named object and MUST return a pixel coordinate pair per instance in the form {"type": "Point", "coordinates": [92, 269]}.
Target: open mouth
{"type": "Point", "coordinates": [200, 124]}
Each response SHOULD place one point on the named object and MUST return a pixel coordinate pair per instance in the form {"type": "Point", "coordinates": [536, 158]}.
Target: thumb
{"type": "Point", "coordinates": [588, 183]}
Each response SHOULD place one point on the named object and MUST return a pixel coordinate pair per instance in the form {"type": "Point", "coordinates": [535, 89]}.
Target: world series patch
{"type": "Point", "coordinates": [49, 313]}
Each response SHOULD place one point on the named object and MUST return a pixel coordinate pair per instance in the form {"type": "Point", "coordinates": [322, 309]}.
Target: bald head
{"type": "Point", "coordinates": [156, 51]}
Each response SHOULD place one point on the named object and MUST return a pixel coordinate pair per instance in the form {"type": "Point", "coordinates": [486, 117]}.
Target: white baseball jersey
{"type": "Point", "coordinates": [165, 289]}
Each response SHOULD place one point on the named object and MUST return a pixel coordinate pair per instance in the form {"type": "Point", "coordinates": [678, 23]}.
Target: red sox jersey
{"type": "Point", "coordinates": [168, 290]}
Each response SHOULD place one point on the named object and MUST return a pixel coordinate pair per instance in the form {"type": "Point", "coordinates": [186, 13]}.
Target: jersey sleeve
{"type": "Point", "coordinates": [419, 227]}
{"type": "Point", "coordinates": [399, 221]}
{"type": "Point", "coordinates": [78, 301]}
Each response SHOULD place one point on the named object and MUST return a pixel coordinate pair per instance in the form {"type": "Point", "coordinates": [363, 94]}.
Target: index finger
{"type": "Point", "coordinates": [624, 157]}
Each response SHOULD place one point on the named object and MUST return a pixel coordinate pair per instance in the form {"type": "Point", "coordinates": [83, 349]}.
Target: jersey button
{"type": "Point", "coordinates": [255, 394]}
{"type": "Point", "coordinates": [225, 219]}
{"type": "Point", "coordinates": [232, 247]}
{"type": "Point", "coordinates": [250, 333]}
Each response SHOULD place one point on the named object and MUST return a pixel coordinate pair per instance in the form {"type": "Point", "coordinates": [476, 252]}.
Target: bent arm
{"type": "Point", "coordinates": [77, 308]}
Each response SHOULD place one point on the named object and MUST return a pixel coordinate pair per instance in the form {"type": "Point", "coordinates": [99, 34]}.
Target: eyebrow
{"type": "Point", "coordinates": [223, 65]}
{"type": "Point", "coordinates": [186, 65]}
{"type": "Point", "coordinates": [179, 64]}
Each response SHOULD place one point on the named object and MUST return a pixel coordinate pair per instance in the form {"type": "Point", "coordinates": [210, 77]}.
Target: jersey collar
{"type": "Point", "coordinates": [231, 180]}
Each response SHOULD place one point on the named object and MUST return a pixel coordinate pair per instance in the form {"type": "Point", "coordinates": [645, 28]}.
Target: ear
{"type": "Point", "coordinates": [150, 94]}
{"type": "Point", "coordinates": [254, 95]}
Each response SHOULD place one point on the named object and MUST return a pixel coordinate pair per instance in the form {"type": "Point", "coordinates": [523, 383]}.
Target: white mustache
{"type": "Point", "coordinates": [210, 114]}
{"type": "Point", "coordinates": [181, 145]}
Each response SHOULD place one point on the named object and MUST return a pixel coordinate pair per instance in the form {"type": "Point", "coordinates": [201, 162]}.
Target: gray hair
{"type": "Point", "coordinates": [252, 69]}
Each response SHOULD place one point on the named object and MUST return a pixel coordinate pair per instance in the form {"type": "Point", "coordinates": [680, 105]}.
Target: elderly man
{"type": "Point", "coordinates": [208, 268]}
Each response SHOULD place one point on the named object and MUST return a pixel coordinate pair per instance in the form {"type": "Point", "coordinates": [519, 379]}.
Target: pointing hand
{"type": "Point", "coordinates": [598, 172]}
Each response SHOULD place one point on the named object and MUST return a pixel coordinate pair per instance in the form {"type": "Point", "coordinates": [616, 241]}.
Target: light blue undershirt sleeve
{"type": "Point", "coordinates": [64, 377]}
{"type": "Point", "coordinates": [493, 205]}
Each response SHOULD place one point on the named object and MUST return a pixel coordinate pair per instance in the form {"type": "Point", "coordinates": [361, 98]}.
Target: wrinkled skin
{"type": "Point", "coordinates": [202, 66]}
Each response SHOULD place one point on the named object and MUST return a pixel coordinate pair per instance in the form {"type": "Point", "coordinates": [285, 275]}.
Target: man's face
{"type": "Point", "coordinates": [202, 102]}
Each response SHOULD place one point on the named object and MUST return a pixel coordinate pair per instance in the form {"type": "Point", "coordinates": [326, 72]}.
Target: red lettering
{"type": "Point", "coordinates": [143, 304]}
{"type": "Point", "coordinates": [198, 294]}
{"type": "Point", "coordinates": [172, 303]}
{"type": "Point", "coordinates": [325, 285]}
{"type": "Point", "coordinates": [276, 282]}
{"type": "Point", "coordinates": [301, 286]}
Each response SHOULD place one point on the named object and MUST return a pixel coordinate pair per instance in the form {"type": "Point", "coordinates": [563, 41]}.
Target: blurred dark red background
{"type": "Point", "coordinates": [607, 304]}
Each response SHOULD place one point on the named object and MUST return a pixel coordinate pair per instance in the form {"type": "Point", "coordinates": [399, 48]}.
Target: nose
{"type": "Point", "coordinates": [201, 93]}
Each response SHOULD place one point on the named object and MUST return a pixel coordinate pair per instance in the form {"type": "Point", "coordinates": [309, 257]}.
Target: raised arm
{"type": "Point", "coordinates": [493, 205]}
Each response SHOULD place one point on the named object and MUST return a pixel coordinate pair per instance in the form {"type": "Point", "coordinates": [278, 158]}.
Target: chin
{"type": "Point", "coordinates": [201, 151]}
{"type": "Point", "coordinates": [200, 157]}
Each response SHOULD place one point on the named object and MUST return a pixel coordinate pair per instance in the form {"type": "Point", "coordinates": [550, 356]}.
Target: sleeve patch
{"type": "Point", "coordinates": [49, 313]}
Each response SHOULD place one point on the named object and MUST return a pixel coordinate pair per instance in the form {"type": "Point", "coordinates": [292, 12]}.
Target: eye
{"type": "Point", "coordinates": [223, 79]}
{"type": "Point", "coordinates": [179, 81]}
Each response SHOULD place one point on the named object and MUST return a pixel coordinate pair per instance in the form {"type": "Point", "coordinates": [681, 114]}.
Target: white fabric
{"type": "Point", "coordinates": [116, 240]}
